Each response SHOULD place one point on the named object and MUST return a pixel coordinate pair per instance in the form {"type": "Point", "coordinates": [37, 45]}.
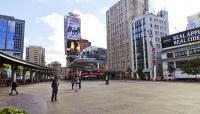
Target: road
{"type": "Point", "coordinates": [120, 97]}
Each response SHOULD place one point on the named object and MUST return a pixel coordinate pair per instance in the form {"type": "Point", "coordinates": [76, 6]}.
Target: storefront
{"type": "Point", "coordinates": [177, 49]}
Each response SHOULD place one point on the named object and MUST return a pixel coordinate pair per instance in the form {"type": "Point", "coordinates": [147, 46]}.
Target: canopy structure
{"type": "Point", "coordinates": [86, 64]}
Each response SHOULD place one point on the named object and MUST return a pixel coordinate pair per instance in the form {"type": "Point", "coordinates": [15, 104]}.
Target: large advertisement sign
{"type": "Point", "coordinates": [72, 30]}
{"type": "Point", "coordinates": [72, 35]}
{"type": "Point", "coordinates": [189, 36]}
{"type": "Point", "coordinates": [72, 47]}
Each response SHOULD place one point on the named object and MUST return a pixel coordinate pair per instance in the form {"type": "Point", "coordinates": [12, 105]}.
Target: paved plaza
{"type": "Point", "coordinates": [120, 97]}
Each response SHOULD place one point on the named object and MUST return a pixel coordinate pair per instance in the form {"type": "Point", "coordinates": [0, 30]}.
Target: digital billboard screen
{"type": "Point", "coordinates": [72, 28]}
{"type": "Point", "coordinates": [72, 47]}
{"type": "Point", "coordinates": [189, 36]}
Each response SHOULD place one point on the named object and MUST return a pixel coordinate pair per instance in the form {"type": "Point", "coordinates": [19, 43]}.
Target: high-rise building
{"type": "Point", "coordinates": [118, 22]}
{"type": "Point", "coordinates": [193, 21]}
{"type": "Point", "coordinates": [35, 54]}
{"type": "Point", "coordinates": [72, 36]}
{"type": "Point", "coordinates": [56, 66]}
{"type": "Point", "coordinates": [12, 36]}
{"type": "Point", "coordinates": [147, 31]}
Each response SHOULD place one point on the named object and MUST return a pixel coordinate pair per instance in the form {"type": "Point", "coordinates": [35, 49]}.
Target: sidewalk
{"type": "Point", "coordinates": [32, 104]}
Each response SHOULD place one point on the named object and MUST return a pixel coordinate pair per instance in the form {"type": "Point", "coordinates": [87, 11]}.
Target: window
{"type": "Point", "coordinates": [192, 51]}
{"type": "Point", "coordinates": [169, 55]}
{"type": "Point", "coordinates": [156, 20]}
{"type": "Point", "coordinates": [198, 51]}
{"type": "Point", "coordinates": [180, 63]}
{"type": "Point", "coordinates": [158, 46]}
{"type": "Point", "coordinates": [151, 25]}
{"type": "Point", "coordinates": [181, 53]}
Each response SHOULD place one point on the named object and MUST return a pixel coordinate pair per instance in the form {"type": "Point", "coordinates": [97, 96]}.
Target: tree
{"type": "Point", "coordinates": [186, 68]}
{"type": "Point", "coordinates": [191, 67]}
{"type": "Point", "coordinates": [140, 73]}
{"type": "Point", "coordinates": [5, 70]}
{"type": "Point", "coordinates": [171, 70]}
{"type": "Point", "coordinates": [20, 69]}
{"type": "Point", "coordinates": [128, 73]}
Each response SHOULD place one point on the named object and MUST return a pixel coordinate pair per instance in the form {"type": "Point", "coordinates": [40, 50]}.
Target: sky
{"type": "Point", "coordinates": [44, 20]}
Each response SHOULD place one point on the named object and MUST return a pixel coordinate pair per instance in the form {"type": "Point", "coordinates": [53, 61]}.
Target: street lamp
{"type": "Point", "coordinates": [153, 49]}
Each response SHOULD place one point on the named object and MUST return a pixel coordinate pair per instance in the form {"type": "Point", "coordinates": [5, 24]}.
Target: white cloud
{"type": "Point", "coordinates": [40, 0]}
{"type": "Point", "coordinates": [104, 10]}
{"type": "Point", "coordinates": [85, 0]}
{"type": "Point", "coordinates": [178, 11]}
{"type": "Point", "coordinates": [92, 29]}
{"type": "Point", "coordinates": [79, 1]}
{"type": "Point", "coordinates": [56, 52]}
{"type": "Point", "coordinates": [40, 38]}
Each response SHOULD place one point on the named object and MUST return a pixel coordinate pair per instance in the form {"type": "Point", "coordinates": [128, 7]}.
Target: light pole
{"type": "Point", "coordinates": [153, 50]}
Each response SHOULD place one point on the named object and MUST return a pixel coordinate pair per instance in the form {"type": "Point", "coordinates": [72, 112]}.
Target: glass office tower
{"type": "Point", "coordinates": [12, 36]}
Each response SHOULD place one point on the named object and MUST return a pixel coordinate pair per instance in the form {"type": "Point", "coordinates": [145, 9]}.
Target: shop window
{"type": "Point", "coordinates": [198, 51]}
{"type": "Point", "coordinates": [181, 53]}
{"type": "Point", "coordinates": [169, 55]}
{"type": "Point", "coordinates": [192, 51]}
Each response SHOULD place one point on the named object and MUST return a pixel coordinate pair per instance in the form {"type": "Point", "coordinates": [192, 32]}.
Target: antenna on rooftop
{"type": "Point", "coordinates": [73, 14]}
{"type": "Point", "coordinates": [164, 4]}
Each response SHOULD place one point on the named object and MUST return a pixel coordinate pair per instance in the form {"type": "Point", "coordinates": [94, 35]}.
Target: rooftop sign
{"type": "Point", "coordinates": [189, 36]}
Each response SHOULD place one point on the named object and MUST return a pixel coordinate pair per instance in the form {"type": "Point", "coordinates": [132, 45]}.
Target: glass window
{"type": "Point", "coordinates": [181, 53]}
{"type": "Point", "coordinates": [192, 51]}
{"type": "Point", "coordinates": [3, 28]}
{"type": "Point", "coordinates": [10, 35]}
{"type": "Point", "coordinates": [180, 63]}
{"type": "Point", "coordinates": [198, 51]}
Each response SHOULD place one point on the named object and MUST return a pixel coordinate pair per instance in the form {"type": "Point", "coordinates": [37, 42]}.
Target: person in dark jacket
{"type": "Point", "coordinates": [14, 88]}
{"type": "Point", "coordinates": [107, 79]}
{"type": "Point", "coordinates": [72, 81]}
{"type": "Point", "coordinates": [79, 82]}
{"type": "Point", "coordinates": [54, 86]}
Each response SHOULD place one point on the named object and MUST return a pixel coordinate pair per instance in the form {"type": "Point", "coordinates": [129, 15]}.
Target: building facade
{"type": "Point", "coordinates": [193, 21]}
{"type": "Point", "coordinates": [118, 25]}
{"type": "Point", "coordinates": [35, 54]}
{"type": "Point", "coordinates": [12, 36]}
{"type": "Point", "coordinates": [147, 31]}
{"type": "Point", "coordinates": [84, 44]}
{"type": "Point", "coordinates": [56, 66]}
{"type": "Point", "coordinates": [72, 36]}
{"type": "Point", "coordinates": [177, 49]}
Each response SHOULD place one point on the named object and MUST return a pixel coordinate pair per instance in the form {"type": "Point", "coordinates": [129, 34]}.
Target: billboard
{"type": "Point", "coordinates": [72, 34]}
{"type": "Point", "coordinates": [72, 47]}
{"type": "Point", "coordinates": [72, 28]}
{"type": "Point", "coordinates": [189, 36]}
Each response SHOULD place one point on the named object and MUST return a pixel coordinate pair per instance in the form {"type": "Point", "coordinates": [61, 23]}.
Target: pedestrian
{"type": "Point", "coordinates": [54, 85]}
{"type": "Point", "coordinates": [79, 83]}
{"type": "Point", "coordinates": [107, 79]}
{"type": "Point", "coordinates": [14, 87]}
{"type": "Point", "coordinates": [76, 83]}
{"type": "Point", "coordinates": [72, 82]}
{"type": "Point", "coordinates": [80, 80]}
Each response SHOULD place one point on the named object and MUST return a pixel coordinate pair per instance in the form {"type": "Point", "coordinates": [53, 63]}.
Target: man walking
{"type": "Point", "coordinates": [107, 79]}
{"type": "Point", "coordinates": [72, 81]}
{"type": "Point", "coordinates": [79, 80]}
{"type": "Point", "coordinates": [76, 83]}
{"type": "Point", "coordinates": [54, 86]}
{"type": "Point", "coordinates": [14, 88]}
